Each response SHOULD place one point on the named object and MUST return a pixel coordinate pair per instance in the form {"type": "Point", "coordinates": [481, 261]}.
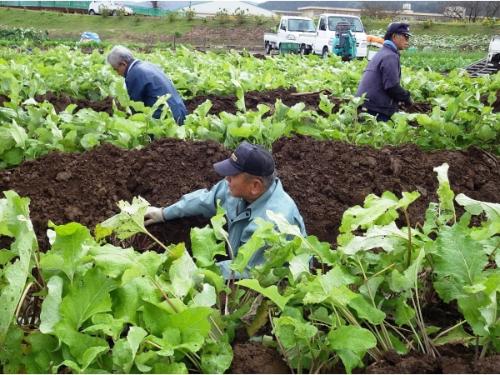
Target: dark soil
{"type": "Point", "coordinates": [454, 359]}
{"type": "Point", "coordinates": [255, 358]}
{"type": "Point", "coordinates": [289, 96]}
{"type": "Point", "coordinates": [220, 103]}
{"type": "Point", "coordinates": [227, 103]}
{"type": "Point", "coordinates": [61, 101]}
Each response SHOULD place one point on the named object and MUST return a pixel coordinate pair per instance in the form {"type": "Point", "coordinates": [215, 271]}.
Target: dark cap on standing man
{"type": "Point", "coordinates": [397, 28]}
{"type": "Point", "coordinates": [248, 158]}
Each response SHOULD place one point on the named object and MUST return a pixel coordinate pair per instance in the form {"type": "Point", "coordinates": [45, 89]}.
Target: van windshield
{"type": "Point", "coordinates": [356, 25]}
{"type": "Point", "coordinates": [300, 25]}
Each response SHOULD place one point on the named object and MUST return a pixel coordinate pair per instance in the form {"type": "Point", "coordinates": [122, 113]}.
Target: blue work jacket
{"type": "Point", "coordinates": [381, 73]}
{"type": "Point", "coordinates": [146, 83]}
{"type": "Point", "coordinates": [240, 215]}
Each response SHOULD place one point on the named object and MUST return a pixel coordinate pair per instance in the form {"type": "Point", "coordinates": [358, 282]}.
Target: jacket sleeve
{"type": "Point", "coordinates": [398, 93]}
{"type": "Point", "coordinates": [135, 87]}
{"type": "Point", "coordinates": [177, 107]}
{"type": "Point", "coordinates": [201, 202]}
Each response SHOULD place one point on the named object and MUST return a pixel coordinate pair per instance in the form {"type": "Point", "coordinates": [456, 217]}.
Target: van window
{"type": "Point", "coordinates": [300, 25]}
{"type": "Point", "coordinates": [283, 25]}
{"type": "Point", "coordinates": [322, 24]}
{"type": "Point", "coordinates": [356, 25]}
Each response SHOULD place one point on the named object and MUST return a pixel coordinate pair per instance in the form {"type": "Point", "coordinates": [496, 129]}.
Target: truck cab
{"type": "Point", "coordinates": [325, 31]}
{"type": "Point", "coordinates": [291, 29]}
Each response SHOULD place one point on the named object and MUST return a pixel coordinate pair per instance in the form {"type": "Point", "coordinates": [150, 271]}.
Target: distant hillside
{"type": "Point", "coordinates": [416, 6]}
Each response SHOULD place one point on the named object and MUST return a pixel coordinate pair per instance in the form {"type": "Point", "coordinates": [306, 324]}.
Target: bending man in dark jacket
{"type": "Point", "coordinates": [146, 82]}
{"type": "Point", "coordinates": [381, 79]}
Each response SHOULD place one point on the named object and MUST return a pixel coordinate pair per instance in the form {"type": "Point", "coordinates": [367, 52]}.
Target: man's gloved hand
{"type": "Point", "coordinates": [153, 215]}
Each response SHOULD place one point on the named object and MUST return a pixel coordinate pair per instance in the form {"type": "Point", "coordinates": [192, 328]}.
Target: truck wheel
{"type": "Point", "coordinates": [303, 50]}
{"type": "Point", "coordinates": [91, 12]}
{"type": "Point", "coordinates": [324, 54]}
{"type": "Point", "coordinates": [268, 48]}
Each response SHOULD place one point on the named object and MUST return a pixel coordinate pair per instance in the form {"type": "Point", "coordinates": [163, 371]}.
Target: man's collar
{"type": "Point", "coordinates": [130, 67]}
{"type": "Point", "coordinates": [391, 45]}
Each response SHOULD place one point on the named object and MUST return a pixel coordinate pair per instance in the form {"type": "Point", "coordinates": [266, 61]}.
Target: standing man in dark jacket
{"type": "Point", "coordinates": [381, 79]}
{"type": "Point", "coordinates": [146, 82]}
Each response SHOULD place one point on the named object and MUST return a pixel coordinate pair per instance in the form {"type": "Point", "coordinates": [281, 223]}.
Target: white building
{"type": "Point", "coordinates": [211, 8]}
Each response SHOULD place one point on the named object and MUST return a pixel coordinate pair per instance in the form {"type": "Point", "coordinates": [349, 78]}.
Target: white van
{"type": "Point", "coordinates": [325, 31]}
{"type": "Point", "coordinates": [114, 8]}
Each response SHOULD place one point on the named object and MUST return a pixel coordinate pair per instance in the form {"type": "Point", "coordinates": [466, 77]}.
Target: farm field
{"type": "Point", "coordinates": [398, 272]}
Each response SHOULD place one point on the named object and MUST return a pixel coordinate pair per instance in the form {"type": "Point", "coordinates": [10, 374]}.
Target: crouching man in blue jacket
{"type": "Point", "coordinates": [381, 78]}
{"type": "Point", "coordinates": [146, 82]}
{"type": "Point", "coordinates": [249, 189]}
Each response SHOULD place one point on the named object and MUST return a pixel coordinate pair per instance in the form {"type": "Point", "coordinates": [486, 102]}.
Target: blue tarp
{"type": "Point", "coordinates": [89, 36]}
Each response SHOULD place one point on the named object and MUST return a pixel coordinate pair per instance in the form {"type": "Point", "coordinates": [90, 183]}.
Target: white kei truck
{"type": "Point", "coordinates": [294, 33]}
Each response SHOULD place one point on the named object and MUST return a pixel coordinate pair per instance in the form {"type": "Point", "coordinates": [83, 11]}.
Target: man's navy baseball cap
{"type": "Point", "coordinates": [248, 158]}
{"type": "Point", "coordinates": [397, 28]}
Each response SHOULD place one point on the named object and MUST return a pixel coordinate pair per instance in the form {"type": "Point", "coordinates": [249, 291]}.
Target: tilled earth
{"type": "Point", "coordinates": [324, 177]}
{"type": "Point", "coordinates": [220, 103]}
{"type": "Point", "coordinates": [227, 103]}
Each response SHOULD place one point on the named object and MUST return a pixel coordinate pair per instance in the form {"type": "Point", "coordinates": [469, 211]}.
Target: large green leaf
{"type": "Point", "coordinates": [374, 209]}
{"type": "Point", "coordinates": [492, 210]}
{"type": "Point", "coordinates": [351, 343]}
{"type": "Point", "coordinates": [128, 298]}
{"type": "Point", "coordinates": [216, 357]}
{"type": "Point", "coordinates": [386, 237]}
{"type": "Point", "coordinates": [269, 292]}
{"type": "Point", "coordinates": [445, 193]}
{"type": "Point", "coordinates": [105, 324]}
{"type": "Point", "coordinates": [459, 260]}
{"type": "Point", "coordinates": [14, 221]}
{"type": "Point", "coordinates": [184, 275]}
{"type": "Point", "coordinates": [125, 350]}
{"type": "Point", "coordinates": [128, 222]}
{"type": "Point", "coordinates": [185, 330]}
{"type": "Point", "coordinates": [70, 247]}
{"type": "Point", "coordinates": [323, 286]}
{"type": "Point", "coordinates": [87, 295]}
{"type": "Point", "coordinates": [352, 338]}
{"type": "Point", "coordinates": [366, 311]}
{"type": "Point", "coordinates": [207, 297]}
{"type": "Point", "coordinates": [264, 231]}
{"type": "Point", "coordinates": [205, 246]}
{"type": "Point", "coordinates": [83, 347]}
{"type": "Point", "coordinates": [299, 265]}
{"type": "Point", "coordinates": [50, 307]}
{"type": "Point", "coordinates": [283, 225]}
